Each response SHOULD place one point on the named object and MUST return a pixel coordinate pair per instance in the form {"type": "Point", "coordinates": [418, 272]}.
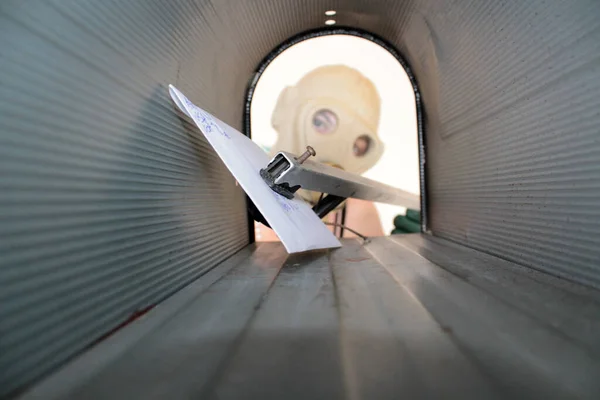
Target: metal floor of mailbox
{"type": "Point", "coordinates": [408, 316]}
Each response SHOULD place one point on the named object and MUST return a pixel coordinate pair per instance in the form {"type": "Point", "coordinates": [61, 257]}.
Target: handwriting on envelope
{"type": "Point", "coordinates": [293, 220]}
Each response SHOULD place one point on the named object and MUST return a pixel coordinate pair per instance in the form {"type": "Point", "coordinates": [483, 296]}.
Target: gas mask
{"type": "Point", "coordinates": [334, 109]}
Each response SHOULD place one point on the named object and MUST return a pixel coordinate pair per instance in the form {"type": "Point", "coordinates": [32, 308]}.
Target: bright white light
{"type": "Point", "coordinates": [330, 13]}
{"type": "Point", "coordinates": [330, 22]}
{"type": "Point", "coordinates": [399, 164]}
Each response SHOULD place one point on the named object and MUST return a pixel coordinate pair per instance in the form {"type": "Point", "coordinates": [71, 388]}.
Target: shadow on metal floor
{"type": "Point", "coordinates": [408, 316]}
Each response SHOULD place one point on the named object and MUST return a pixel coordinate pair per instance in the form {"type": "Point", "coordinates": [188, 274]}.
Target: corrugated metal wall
{"type": "Point", "coordinates": [513, 129]}
{"type": "Point", "coordinates": [109, 203]}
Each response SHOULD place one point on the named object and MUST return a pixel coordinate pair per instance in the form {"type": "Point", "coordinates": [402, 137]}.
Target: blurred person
{"type": "Point", "coordinates": [335, 109]}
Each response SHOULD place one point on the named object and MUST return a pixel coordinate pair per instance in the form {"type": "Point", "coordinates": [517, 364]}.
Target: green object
{"type": "Point", "coordinates": [409, 223]}
{"type": "Point", "coordinates": [413, 215]}
{"type": "Point", "coordinates": [401, 222]}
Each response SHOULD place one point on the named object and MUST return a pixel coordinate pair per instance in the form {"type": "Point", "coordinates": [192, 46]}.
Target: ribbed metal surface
{"type": "Point", "coordinates": [404, 317]}
{"type": "Point", "coordinates": [109, 203]}
{"type": "Point", "coordinates": [513, 130]}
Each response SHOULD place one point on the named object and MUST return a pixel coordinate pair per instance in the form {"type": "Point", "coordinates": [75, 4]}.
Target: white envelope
{"type": "Point", "coordinates": [297, 226]}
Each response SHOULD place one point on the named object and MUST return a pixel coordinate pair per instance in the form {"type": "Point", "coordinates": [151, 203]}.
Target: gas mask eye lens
{"type": "Point", "coordinates": [324, 121]}
{"type": "Point", "coordinates": [361, 145]}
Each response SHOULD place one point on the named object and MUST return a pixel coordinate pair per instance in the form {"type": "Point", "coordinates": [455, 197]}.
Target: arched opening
{"type": "Point", "coordinates": [392, 111]}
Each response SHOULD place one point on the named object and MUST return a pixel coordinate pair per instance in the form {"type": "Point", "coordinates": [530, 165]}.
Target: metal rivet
{"type": "Point", "coordinates": [309, 152]}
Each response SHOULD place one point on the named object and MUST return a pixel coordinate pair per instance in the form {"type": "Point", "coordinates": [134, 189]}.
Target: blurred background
{"type": "Point", "coordinates": [396, 127]}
